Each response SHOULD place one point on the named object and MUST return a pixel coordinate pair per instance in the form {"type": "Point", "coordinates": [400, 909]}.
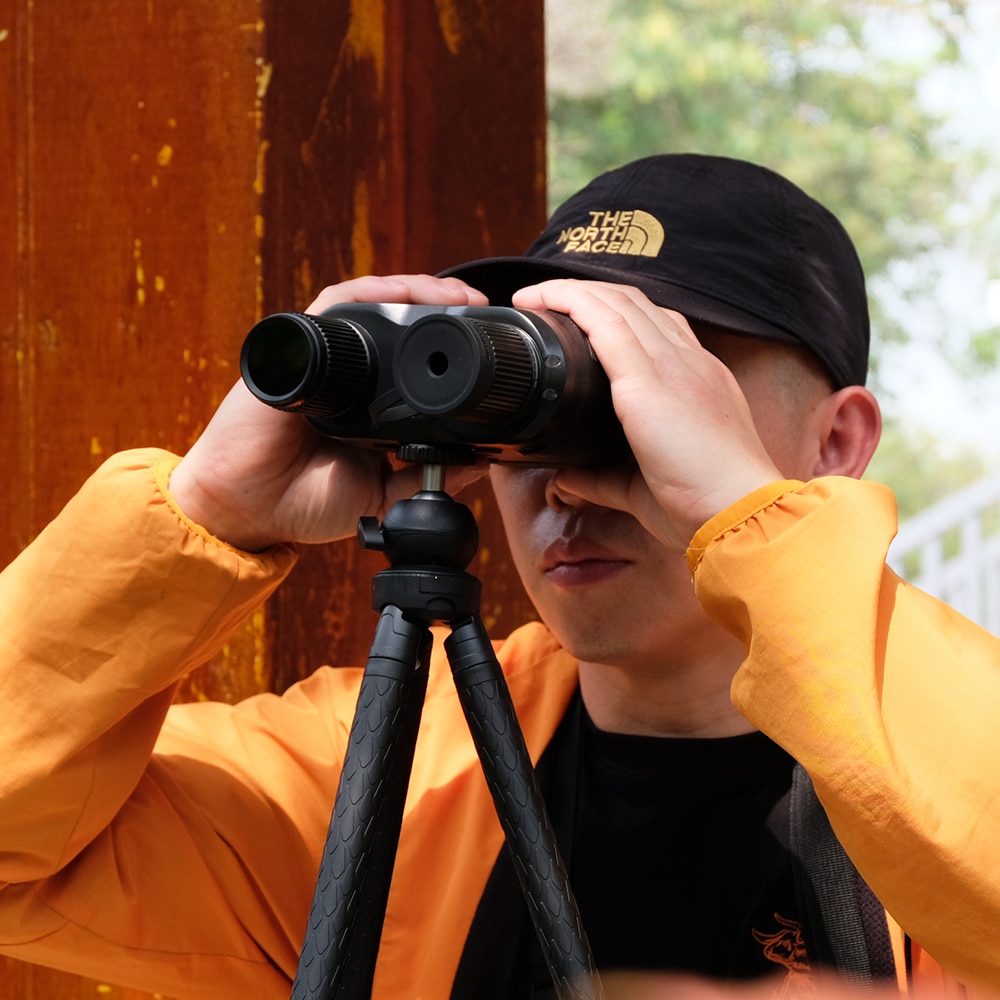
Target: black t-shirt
{"type": "Point", "coordinates": [677, 853]}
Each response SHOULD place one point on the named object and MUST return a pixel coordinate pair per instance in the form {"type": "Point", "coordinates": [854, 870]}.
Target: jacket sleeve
{"type": "Point", "coordinates": [888, 698]}
{"type": "Point", "coordinates": [99, 617]}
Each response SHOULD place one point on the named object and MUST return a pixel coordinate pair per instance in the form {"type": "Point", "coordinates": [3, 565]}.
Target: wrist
{"type": "Point", "coordinates": [735, 515]}
{"type": "Point", "coordinates": [202, 506]}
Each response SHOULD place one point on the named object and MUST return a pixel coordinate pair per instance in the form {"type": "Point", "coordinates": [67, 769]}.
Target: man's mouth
{"type": "Point", "coordinates": [578, 561]}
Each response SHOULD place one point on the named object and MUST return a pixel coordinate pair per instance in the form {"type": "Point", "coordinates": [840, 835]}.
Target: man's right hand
{"type": "Point", "coordinates": [258, 476]}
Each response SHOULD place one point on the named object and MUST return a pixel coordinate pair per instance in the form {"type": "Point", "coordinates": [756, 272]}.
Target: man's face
{"type": "Point", "coordinates": [606, 588]}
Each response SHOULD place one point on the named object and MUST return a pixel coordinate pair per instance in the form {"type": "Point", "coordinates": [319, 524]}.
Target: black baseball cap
{"type": "Point", "coordinates": [724, 242]}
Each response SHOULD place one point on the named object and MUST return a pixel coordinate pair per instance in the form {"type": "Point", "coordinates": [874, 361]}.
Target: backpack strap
{"type": "Point", "coordinates": [846, 920]}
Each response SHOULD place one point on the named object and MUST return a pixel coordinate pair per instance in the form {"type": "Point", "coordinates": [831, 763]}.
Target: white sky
{"type": "Point", "coordinates": [922, 387]}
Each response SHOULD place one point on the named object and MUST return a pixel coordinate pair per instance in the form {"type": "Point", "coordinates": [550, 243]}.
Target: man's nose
{"type": "Point", "coordinates": [558, 497]}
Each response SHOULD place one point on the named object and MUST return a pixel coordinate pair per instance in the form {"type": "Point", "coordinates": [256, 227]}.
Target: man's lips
{"type": "Point", "coordinates": [580, 561]}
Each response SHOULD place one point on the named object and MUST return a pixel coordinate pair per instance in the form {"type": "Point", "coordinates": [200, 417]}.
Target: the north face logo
{"type": "Point", "coordinates": [635, 233]}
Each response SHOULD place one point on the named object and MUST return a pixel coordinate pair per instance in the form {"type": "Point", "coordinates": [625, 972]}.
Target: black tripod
{"type": "Point", "coordinates": [429, 540]}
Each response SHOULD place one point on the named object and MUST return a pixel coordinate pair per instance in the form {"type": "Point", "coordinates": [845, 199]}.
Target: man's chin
{"type": "Point", "coordinates": [599, 646]}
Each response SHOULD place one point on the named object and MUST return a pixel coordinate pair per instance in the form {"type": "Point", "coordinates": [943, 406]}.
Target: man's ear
{"type": "Point", "coordinates": [850, 425]}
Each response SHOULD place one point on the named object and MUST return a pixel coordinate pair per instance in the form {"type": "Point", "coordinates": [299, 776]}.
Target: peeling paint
{"type": "Point", "coordinates": [260, 675]}
{"type": "Point", "coordinates": [259, 286]}
{"type": "Point", "coordinates": [365, 37]}
{"type": "Point", "coordinates": [235, 661]}
{"type": "Point", "coordinates": [361, 236]}
{"type": "Point", "coordinates": [48, 334]}
{"type": "Point", "coordinates": [140, 273]}
{"type": "Point", "coordinates": [260, 175]}
{"type": "Point", "coordinates": [264, 71]}
{"type": "Point", "coordinates": [481, 215]}
{"type": "Point", "coordinates": [303, 281]}
{"type": "Point", "coordinates": [264, 75]}
{"type": "Point", "coordinates": [450, 23]}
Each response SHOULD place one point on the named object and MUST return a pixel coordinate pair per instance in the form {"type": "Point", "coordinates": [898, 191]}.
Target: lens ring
{"type": "Point", "coordinates": [309, 364]}
{"type": "Point", "coordinates": [442, 365]}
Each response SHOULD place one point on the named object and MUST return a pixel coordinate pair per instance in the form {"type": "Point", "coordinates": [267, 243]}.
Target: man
{"type": "Point", "coordinates": [728, 310]}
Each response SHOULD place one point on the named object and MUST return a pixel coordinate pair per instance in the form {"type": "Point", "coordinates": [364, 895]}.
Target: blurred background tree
{"type": "Point", "coordinates": [830, 94]}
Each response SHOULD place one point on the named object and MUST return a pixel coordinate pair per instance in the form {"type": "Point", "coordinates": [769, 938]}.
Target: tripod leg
{"type": "Point", "coordinates": [540, 869]}
{"type": "Point", "coordinates": [345, 922]}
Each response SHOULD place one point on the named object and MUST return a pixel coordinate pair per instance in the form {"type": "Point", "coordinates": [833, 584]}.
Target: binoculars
{"type": "Point", "coordinates": [458, 381]}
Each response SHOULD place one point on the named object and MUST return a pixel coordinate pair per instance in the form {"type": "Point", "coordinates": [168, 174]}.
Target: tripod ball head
{"type": "Point", "coordinates": [429, 529]}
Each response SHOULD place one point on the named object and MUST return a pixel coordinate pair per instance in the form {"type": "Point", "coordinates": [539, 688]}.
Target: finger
{"type": "Point", "coordinates": [643, 347]}
{"type": "Point", "coordinates": [603, 487]}
{"type": "Point", "coordinates": [458, 477]}
{"type": "Point", "coordinates": [425, 289]}
{"type": "Point", "coordinates": [631, 336]}
{"type": "Point", "coordinates": [624, 488]}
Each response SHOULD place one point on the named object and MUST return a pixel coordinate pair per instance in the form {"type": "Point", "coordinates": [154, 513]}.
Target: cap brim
{"type": "Point", "coordinates": [498, 278]}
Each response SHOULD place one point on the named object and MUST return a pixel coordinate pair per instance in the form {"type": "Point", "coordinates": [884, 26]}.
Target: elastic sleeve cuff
{"type": "Point", "coordinates": [735, 515]}
{"type": "Point", "coordinates": [162, 470]}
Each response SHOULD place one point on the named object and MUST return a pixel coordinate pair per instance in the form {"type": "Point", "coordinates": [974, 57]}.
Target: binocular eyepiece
{"type": "Point", "coordinates": [440, 383]}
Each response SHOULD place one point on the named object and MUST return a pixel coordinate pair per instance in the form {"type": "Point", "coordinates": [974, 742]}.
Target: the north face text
{"type": "Point", "coordinates": [636, 233]}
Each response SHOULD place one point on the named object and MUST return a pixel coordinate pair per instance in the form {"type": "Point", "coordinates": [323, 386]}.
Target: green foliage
{"type": "Point", "coordinates": [919, 470]}
{"type": "Point", "coordinates": [981, 352]}
{"type": "Point", "coordinates": [828, 93]}
{"type": "Point", "coordinates": [817, 89]}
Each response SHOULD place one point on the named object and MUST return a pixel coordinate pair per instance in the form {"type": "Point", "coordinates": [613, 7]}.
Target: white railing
{"type": "Point", "coordinates": [952, 550]}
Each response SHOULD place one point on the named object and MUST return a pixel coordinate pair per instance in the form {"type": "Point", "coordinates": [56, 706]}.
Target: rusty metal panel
{"type": "Point", "coordinates": [138, 246]}
{"type": "Point", "coordinates": [13, 432]}
{"type": "Point", "coordinates": [171, 171]}
{"type": "Point", "coordinates": [129, 251]}
{"type": "Point", "coordinates": [413, 140]}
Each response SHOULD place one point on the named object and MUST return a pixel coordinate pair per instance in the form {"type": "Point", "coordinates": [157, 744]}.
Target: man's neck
{"type": "Point", "coordinates": [669, 700]}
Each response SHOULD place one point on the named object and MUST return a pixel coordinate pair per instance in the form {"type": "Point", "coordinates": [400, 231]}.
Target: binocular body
{"type": "Point", "coordinates": [463, 381]}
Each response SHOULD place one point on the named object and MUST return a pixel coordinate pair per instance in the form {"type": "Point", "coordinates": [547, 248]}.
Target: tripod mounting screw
{"type": "Point", "coordinates": [436, 454]}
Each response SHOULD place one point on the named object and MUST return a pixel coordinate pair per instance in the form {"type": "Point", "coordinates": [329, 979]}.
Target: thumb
{"type": "Point", "coordinates": [608, 486]}
{"type": "Point", "coordinates": [623, 488]}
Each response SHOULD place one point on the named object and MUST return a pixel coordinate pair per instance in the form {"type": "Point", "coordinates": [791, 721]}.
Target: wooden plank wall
{"type": "Point", "coordinates": [171, 171]}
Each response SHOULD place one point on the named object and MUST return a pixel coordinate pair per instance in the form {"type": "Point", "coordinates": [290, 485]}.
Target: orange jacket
{"type": "Point", "coordinates": [174, 849]}
{"type": "Point", "coordinates": [886, 696]}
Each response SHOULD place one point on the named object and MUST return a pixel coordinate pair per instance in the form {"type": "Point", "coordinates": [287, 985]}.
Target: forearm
{"type": "Point", "coordinates": [99, 617]}
{"type": "Point", "coordinates": [886, 696]}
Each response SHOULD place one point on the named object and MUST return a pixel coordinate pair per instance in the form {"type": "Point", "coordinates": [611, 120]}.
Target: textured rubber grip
{"type": "Point", "coordinates": [520, 807]}
{"type": "Point", "coordinates": [348, 909]}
